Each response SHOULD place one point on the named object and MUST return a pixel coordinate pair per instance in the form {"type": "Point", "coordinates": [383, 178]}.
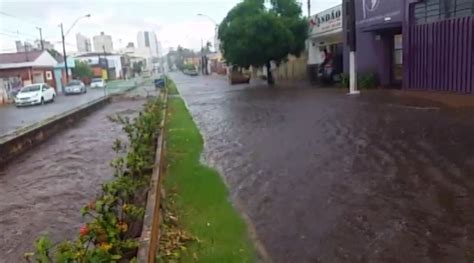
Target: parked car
{"type": "Point", "coordinates": [97, 83]}
{"type": "Point", "coordinates": [237, 77]}
{"type": "Point", "coordinates": [75, 87]}
{"type": "Point", "coordinates": [35, 94]}
{"type": "Point", "coordinates": [191, 72]}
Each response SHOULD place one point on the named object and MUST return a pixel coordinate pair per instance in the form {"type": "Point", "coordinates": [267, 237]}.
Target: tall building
{"type": "Point", "coordinates": [46, 44]}
{"type": "Point", "coordinates": [147, 40]}
{"type": "Point", "coordinates": [23, 46]}
{"type": "Point", "coordinates": [83, 43]}
{"type": "Point", "coordinates": [102, 42]}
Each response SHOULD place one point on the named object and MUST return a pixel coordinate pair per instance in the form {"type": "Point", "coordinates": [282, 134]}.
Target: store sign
{"type": "Point", "coordinates": [326, 21]}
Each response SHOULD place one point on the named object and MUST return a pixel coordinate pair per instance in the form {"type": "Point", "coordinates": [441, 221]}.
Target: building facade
{"type": "Point", "coordinates": [416, 44]}
{"type": "Point", "coordinates": [325, 33]}
{"type": "Point", "coordinates": [112, 65]}
{"type": "Point", "coordinates": [148, 40]}
{"type": "Point", "coordinates": [103, 43]}
{"type": "Point", "coordinates": [24, 68]}
{"type": "Point", "coordinates": [83, 43]}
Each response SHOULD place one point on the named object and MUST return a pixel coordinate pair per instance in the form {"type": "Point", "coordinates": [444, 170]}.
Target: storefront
{"type": "Point", "coordinates": [416, 44]}
{"type": "Point", "coordinates": [325, 33]}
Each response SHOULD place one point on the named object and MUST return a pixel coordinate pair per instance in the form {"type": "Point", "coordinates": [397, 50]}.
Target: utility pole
{"type": "Point", "coordinates": [351, 40]}
{"type": "Point", "coordinates": [41, 37]}
{"type": "Point", "coordinates": [106, 62]}
{"type": "Point", "coordinates": [64, 56]}
{"type": "Point", "coordinates": [309, 8]}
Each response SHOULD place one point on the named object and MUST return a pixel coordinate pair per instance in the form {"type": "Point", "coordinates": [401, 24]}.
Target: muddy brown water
{"type": "Point", "coordinates": [326, 177]}
{"type": "Point", "coordinates": [43, 190]}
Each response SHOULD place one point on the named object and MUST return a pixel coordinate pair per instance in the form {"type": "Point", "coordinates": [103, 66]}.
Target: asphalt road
{"type": "Point", "coordinates": [12, 118]}
{"type": "Point", "coordinates": [326, 177]}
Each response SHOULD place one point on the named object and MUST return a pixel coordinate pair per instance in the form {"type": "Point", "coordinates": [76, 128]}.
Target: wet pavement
{"type": "Point", "coordinates": [326, 177]}
{"type": "Point", "coordinates": [43, 190]}
{"type": "Point", "coordinates": [12, 118]}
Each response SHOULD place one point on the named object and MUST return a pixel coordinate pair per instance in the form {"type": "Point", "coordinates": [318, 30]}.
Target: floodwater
{"type": "Point", "coordinates": [326, 177]}
{"type": "Point", "coordinates": [43, 190]}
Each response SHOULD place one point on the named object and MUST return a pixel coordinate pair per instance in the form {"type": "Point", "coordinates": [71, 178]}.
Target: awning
{"type": "Point", "coordinates": [382, 27]}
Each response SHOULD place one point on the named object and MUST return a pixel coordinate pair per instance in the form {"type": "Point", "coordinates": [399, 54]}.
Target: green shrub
{"type": "Point", "coordinates": [364, 80]}
{"type": "Point", "coordinates": [367, 81]}
{"type": "Point", "coordinates": [115, 217]}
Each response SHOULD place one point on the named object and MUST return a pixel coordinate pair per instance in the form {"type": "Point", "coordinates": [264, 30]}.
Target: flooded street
{"type": "Point", "coordinates": [326, 177]}
{"type": "Point", "coordinates": [43, 190]}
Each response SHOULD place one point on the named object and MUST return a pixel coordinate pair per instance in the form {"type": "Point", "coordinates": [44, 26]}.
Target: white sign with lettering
{"type": "Point", "coordinates": [326, 22]}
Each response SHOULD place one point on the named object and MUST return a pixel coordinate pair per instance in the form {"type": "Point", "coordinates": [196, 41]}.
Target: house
{"type": "Point", "coordinates": [98, 60]}
{"type": "Point", "coordinates": [416, 44]}
{"type": "Point", "coordinates": [325, 33]}
{"type": "Point", "coordinates": [23, 68]}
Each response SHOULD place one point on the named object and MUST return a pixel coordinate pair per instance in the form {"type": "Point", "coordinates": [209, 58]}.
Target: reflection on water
{"type": "Point", "coordinates": [43, 190]}
{"type": "Point", "coordinates": [326, 177]}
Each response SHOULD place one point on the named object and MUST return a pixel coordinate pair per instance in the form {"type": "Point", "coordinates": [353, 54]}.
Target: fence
{"type": "Point", "coordinates": [441, 56]}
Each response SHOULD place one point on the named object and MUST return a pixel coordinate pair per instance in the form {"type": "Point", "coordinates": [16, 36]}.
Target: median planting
{"type": "Point", "coordinates": [199, 224]}
{"type": "Point", "coordinates": [115, 217]}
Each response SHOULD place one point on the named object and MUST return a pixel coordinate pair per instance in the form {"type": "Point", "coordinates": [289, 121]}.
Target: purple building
{"type": "Point", "coordinates": [416, 44]}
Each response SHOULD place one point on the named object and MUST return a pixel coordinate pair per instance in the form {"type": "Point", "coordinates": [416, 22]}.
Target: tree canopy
{"type": "Point", "coordinates": [82, 70]}
{"type": "Point", "coordinates": [253, 33]}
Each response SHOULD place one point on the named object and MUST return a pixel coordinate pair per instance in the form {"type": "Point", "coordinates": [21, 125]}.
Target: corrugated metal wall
{"type": "Point", "coordinates": [441, 56]}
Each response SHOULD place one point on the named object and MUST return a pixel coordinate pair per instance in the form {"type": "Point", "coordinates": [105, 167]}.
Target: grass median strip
{"type": "Point", "coordinates": [200, 224]}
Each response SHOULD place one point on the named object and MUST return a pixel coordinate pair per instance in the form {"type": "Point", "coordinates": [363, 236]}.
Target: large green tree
{"type": "Point", "coordinates": [82, 70]}
{"type": "Point", "coordinates": [254, 33]}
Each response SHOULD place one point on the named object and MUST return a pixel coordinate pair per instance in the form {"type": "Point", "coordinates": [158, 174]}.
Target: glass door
{"type": "Point", "coordinates": [397, 59]}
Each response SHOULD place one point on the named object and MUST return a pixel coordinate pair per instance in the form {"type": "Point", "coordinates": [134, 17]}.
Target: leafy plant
{"type": "Point", "coordinates": [364, 80]}
{"type": "Point", "coordinates": [115, 217]}
{"type": "Point", "coordinates": [82, 70]}
{"type": "Point", "coordinates": [367, 80]}
{"type": "Point", "coordinates": [253, 35]}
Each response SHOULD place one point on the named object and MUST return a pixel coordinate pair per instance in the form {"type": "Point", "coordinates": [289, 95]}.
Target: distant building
{"type": "Point", "coordinates": [102, 42]}
{"type": "Point", "coordinates": [147, 40]}
{"type": "Point", "coordinates": [46, 44]}
{"type": "Point", "coordinates": [83, 43]}
{"type": "Point", "coordinates": [23, 68]}
{"type": "Point", "coordinates": [130, 45]}
{"type": "Point", "coordinates": [97, 60]}
{"type": "Point", "coordinates": [23, 46]}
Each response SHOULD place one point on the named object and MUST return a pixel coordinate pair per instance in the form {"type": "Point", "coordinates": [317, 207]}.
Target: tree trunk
{"type": "Point", "coordinates": [270, 79]}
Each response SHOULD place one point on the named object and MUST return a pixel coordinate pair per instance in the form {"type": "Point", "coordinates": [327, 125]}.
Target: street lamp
{"type": "Point", "coordinates": [216, 45]}
{"type": "Point", "coordinates": [210, 18]}
{"type": "Point", "coordinates": [64, 46]}
{"type": "Point", "coordinates": [215, 34]}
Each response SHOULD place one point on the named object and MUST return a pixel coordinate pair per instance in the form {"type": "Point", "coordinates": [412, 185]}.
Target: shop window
{"type": "Point", "coordinates": [437, 10]}
{"type": "Point", "coordinates": [398, 58]}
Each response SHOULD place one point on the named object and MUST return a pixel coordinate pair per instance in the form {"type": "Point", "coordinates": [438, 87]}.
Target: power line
{"type": "Point", "coordinates": [18, 33]}
{"type": "Point", "coordinates": [22, 19]}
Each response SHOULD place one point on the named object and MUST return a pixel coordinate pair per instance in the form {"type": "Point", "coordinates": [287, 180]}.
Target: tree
{"type": "Point", "coordinates": [54, 53]}
{"type": "Point", "coordinates": [254, 35]}
{"type": "Point", "coordinates": [137, 67]}
{"type": "Point", "coordinates": [82, 70]}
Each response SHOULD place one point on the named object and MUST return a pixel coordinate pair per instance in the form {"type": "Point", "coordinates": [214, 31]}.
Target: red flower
{"type": "Point", "coordinates": [84, 231]}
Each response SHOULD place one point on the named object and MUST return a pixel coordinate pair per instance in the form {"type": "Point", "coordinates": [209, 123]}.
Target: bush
{"type": "Point", "coordinates": [367, 81]}
{"type": "Point", "coordinates": [364, 80]}
{"type": "Point", "coordinates": [116, 217]}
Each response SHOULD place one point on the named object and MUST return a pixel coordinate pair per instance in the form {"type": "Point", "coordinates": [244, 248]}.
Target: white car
{"type": "Point", "coordinates": [75, 87]}
{"type": "Point", "coordinates": [97, 83]}
{"type": "Point", "coordinates": [35, 94]}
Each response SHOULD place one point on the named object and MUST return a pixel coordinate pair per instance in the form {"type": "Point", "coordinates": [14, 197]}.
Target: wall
{"type": "Point", "coordinates": [293, 69]}
{"type": "Point", "coordinates": [441, 56]}
{"type": "Point", "coordinates": [375, 26]}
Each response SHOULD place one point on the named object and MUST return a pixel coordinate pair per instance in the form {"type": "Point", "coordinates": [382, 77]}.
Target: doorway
{"type": "Point", "coordinates": [397, 60]}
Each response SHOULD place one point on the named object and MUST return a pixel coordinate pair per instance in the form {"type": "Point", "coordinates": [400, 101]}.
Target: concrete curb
{"type": "Point", "coordinates": [149, 238]}
{"type": "Point", "coordinates": [19, 141]}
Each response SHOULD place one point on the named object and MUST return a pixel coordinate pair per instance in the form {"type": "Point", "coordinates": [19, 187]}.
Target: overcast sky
{"type": "Point", "coordinates": [174, 21]}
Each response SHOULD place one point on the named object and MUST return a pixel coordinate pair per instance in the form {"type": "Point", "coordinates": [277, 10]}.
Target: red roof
{"type": "Point", "coordinates": [19, 57]}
